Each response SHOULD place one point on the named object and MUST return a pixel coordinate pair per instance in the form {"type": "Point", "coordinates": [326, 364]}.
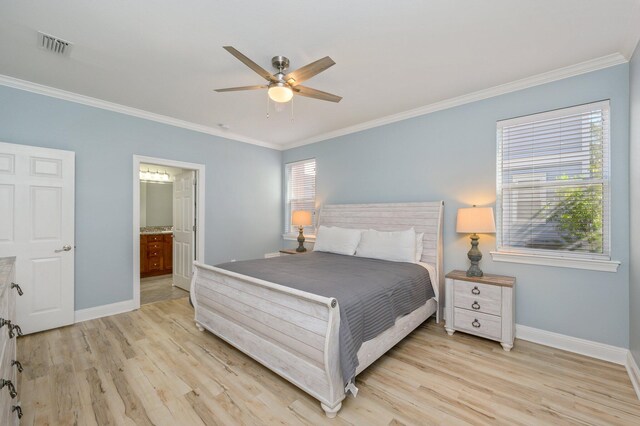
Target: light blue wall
{"type": "Point", "coordinates": [243, 197]}
{"type": "Point", "coordinates": [451, 155]}
{"type": "Point", "coordinates": [634, 281]}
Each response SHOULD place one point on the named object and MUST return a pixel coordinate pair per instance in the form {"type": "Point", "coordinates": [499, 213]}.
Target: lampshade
{"type": "Point", "coordinates": [301, 218]}
{"type": "Point", "coordinates": [476, 220]}
{"type": "Point", "coordinates": [280, 92]}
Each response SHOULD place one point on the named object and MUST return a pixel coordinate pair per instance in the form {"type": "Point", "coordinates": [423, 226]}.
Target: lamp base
{"type": "Point", "coordinates": [474, 256]}
{"type": "Point", "coordinates": [301, 248]}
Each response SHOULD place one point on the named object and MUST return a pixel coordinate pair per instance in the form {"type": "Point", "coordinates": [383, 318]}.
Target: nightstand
{"type": "Point", "coordinates": [482, 306]}
{"type": "Point", "coordinates": [291, 251]}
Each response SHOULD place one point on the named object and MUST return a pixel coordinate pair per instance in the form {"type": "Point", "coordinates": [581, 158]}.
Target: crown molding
{"type": "Point", "coordinates": [40, 89]}
{"type": "Point", "coordinates": [536, 80]}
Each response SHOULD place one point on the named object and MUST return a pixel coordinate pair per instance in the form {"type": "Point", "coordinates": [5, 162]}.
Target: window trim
{"type": "Point", "coordinates": [293, 233]}
{"type": "Point", "coordinates": [602, 265]}
{"type": "Point", "coordinates": [558, 258]}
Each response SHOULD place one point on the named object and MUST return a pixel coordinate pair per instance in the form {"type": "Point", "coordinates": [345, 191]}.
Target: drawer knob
{"type": "Point", "coordinates": [475, 305]}
{"type": "Point", "coordinates": [18, 289]}
{"type": "Point", "coordinates": [475, 323]}
{"type": "Point", "coordinates": [475, 290]}
{"type": "Point", "coordinates": [17, 364]}
{"type": "Point", "coordinates": [9, 384]}
{"type": "Point", "coordinates": [18, 410]}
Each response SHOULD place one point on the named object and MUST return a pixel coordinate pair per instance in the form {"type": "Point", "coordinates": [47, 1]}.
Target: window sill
{"type": "Point", "coordinates": [294, 237]}
{"type": "Point", "coordinates": [561, 262]}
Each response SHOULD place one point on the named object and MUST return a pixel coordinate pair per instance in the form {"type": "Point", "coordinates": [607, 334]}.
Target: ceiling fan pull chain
{"type": "Point", "coordinates": [291, 110]}
{"type": "Point", "coordinates": [267, 105]}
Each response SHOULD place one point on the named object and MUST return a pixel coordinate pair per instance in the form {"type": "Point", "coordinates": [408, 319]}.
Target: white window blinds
{"type": "Point", "coordinates": [553, 182]}
{"type": "Point", "coordinates": [301, 191]}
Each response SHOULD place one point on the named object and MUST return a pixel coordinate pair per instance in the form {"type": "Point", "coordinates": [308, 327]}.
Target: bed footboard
{"type": "Point", "coordinates": [291, 332]}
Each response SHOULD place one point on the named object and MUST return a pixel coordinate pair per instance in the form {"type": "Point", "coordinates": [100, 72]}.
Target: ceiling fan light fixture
{"type": "Point", "coordinates": [281, 86]}
{"type": "Point", "coordinates": [280, 92]}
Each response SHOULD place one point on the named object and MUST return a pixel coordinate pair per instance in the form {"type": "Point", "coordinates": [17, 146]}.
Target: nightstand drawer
{"type": "Point", "coordinates": [485, 291]}
{"type": "Point", "coordinates": [478, 304]}
{"type": "Point", "coordinates": [478, 323]}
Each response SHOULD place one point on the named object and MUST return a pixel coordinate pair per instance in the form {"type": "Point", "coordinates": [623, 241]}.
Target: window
{"type": "Point", "coordinates": [553, 184]}
{"type": "Point", "coordinates": [301, 191]}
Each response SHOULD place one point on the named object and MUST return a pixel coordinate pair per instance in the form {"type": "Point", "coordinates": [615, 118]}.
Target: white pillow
{"type": "Point", "coordinates": [419, 246]}
{"type": "Point", "coordinates": [337, 240]}
{"type": "Point", "coordinates": [397, 246]}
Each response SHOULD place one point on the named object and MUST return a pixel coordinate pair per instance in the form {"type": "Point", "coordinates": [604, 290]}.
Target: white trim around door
{"type": "Point", "coordinates": [200, 197]}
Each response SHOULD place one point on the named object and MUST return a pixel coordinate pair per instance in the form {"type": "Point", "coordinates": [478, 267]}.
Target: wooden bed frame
{"type": "Point", "coordinates": [295, 333]}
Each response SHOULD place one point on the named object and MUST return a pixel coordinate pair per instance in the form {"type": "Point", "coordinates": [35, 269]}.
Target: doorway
{"type": "Point", "coordinates": [168, 227]}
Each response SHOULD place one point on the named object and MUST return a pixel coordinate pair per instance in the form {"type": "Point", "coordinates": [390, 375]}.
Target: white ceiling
{"type": "Point", "coordinates": [166, 56]}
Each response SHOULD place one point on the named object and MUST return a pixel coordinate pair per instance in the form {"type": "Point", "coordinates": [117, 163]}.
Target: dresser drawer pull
{"type": "Point", "coordinates": [18, 365]}
{"type": "Point", "coordinates": [9, 384]}
{"type": "Point", "coordinates": [475, 290]}
{"type": "Point", "coordinates": [18, 289]}
{"type": "Point", "coordinates": [17, 409]}
{"type": "Point", "coordinates": [13, 330]}
{"type": "Point", "coordinates": [475, 305]}
{"type": "Point", "coordinates": [475, 323]}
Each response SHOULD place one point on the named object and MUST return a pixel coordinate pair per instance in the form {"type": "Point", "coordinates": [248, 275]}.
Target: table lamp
{"type": "Point", "coordinates": [301, 218]}
{"type": "Point", "coordinates": [475, 220]}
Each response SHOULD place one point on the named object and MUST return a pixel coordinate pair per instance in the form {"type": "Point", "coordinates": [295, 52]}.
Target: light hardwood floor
{"type": "Point", "coordinates": [156, 289]}
{"type": "Point", "coordinates": [152, 366]}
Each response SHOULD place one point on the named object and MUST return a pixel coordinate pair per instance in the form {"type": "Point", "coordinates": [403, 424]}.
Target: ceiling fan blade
{"type": "Point", "coordinates": [316, 94]}
{"type": "Point", "coordinates": [236, 89]}
{"type": "Point", "coordinates": [305, 73]}
{"type": "Point", "coordinates": [248, 62]}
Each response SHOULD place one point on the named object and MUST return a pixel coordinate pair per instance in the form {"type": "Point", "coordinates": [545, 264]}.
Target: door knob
{"type": "Point", "coordinates": [66, 247]}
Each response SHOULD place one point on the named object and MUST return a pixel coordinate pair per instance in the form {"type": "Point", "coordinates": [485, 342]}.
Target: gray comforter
{"type": "Point", "coordinates": [371, 293]}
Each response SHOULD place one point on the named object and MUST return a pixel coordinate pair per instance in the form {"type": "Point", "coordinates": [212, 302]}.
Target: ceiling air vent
{"type": "Point", "coordinates": [54, 44]}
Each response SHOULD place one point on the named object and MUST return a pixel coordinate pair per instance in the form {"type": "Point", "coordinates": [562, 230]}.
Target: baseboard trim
{"type": "Point", "coordinates": [585, 347]}
{"type": "Point", "coordinates": [634, 373]}
{"type": "Point", "coordinates": [104, 310]}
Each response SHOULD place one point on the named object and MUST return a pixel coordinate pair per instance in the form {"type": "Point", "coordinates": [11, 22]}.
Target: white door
{"type": "Point", "coordinates": [37, 207]}
{"type": "Point", "coordinates": [183, 229]}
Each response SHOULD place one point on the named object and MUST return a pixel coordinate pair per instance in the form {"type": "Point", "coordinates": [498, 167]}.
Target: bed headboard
{"type": "Point", "coordinates": [423, 217]}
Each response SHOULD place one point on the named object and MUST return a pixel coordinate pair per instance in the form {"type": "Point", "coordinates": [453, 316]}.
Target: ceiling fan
{"type": "Point", "coordinates": [282, 86]}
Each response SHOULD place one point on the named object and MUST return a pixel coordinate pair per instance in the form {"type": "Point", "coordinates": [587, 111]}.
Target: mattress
{"type": "Point", "coordinates": [372, 294]}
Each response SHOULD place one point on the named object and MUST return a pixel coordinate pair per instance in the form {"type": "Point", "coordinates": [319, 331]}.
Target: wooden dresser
{"type": "Point", "coordinates": [10, 411]}
{"type": "Point", "coordinates": [483, 306]}
{"type": "Point", "coordinates": [156, 254]}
